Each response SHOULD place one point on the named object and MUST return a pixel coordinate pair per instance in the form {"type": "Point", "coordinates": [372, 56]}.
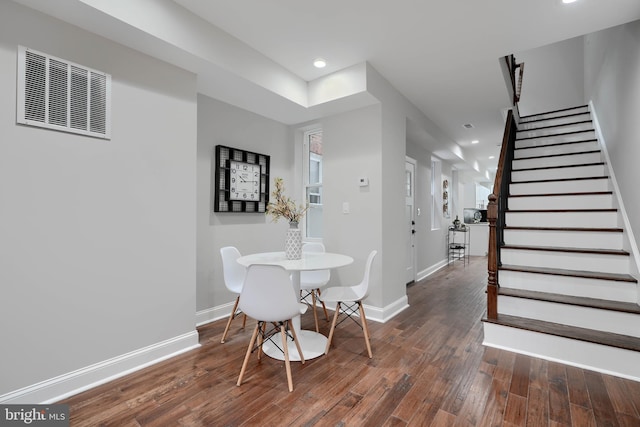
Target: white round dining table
{"type": "Point", "coordinates": [311, 342]}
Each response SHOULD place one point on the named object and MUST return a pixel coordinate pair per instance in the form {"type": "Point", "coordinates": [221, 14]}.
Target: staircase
{"type": "Point", "coordinates": [566, 293]}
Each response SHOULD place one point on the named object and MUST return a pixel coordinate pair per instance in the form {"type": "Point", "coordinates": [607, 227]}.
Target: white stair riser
{"type": "Point", "coordinates": [571, 159]}
{"type": "Point", "coordinates": [562, 219]}
{"type": "Point", "coordinates": [556, 139]}
{"type": "Point", "coordinates": [582, 317]}
{"type": "Point", "coordinates": [549, 150]}
{"type": "Point", "coordinates": [568, 285]}
{"type": "Point", "coordinates": [564, 239]}
{"type": "Point", "coordinates": [544, 116]}
{"type": "Point", "coordinates": [587, 201]}
{"type": "Point", "coordinates": [566, 260]}
{"type": "Point", "coordinates": [574, 127]}
{"type": "Point", "coordinates": [554, 121]}
{"type": "Point", "coordinates": [558, 173]}
{"type": "Point", "coordinates": [557, 187]}
{"type": "Point", "coordinates": [609, 360]}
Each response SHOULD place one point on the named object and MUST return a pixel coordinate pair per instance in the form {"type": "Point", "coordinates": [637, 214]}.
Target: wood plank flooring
{"type": "Point", "coordinates": [429, 368]}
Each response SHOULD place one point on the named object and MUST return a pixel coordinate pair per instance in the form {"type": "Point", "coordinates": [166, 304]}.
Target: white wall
{"type": "Point", "coordinates": [97, 238]}
{"type": "Point", "coordinates": [553, 77]}
{"type": "Point", "coordinates": [612, 82]}
{"type": "Point", "coordinates": [220, 123]}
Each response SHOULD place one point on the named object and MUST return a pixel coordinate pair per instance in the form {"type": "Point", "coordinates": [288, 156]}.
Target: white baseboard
{"type": "Point", "coordinates": [388, 312]}
{"type": "Point", "coordinates": [214, 313]}
{"type": "Point", "coordinates": [430, 270]}
{"type": "Point", "coordinates": [63, 386]}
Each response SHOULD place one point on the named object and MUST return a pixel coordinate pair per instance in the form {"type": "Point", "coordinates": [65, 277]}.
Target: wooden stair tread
{"type": "Point", "coordinates": [556, 166]}
{"type": "Point", "coordinates": [585, 193]}
{"type": "Point", "coordinates": [624, 307]}
{"type": "Point", "coordinates": [556, 144]}
{"type": "Point", "coordinates": [620, 252]}
{"type": "Point", "coordinates": [565, 331]}
{"type": "Point", "coordinates": [555, 126]}
{"type": "Point", "coordinates": [616, 277]}
{"type": "Point", "coordinates": [583, 178]}
{"type": "Point", "coordinates": [564, 116]}
{"type": "Point", "coordinates": [556, 111]}
{"type": "Point", "coordinates": [560, 210]}
{"type": "Point", "coordinates": [587, 229]}
{"type": "Point", "coordinates": [554, 135]}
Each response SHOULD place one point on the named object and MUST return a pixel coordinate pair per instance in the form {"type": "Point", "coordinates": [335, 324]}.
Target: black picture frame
{"type": "Point", "coordinates": [221, 191]}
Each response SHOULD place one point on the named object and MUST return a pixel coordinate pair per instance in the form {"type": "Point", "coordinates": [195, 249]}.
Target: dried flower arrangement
{"type": "Point", "coordinates": [283, 207]}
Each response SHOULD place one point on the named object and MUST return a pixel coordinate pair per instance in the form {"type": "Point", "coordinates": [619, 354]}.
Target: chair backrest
{"type": "Point", "coordinates": [314, 278]}
{"type": "Point", "coordinates": [268, 294]}
{"type": "Point", "coordinates": [361, 290]}
{"type": "Point", "coordinates": [233, 272]}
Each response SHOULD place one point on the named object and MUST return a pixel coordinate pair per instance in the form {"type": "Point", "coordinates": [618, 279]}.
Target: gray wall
{"type": "Point", "coordinates": [224, 124]}
{"type": "Point", "coordinates": [553, 77]}
{"type": "Point", "coordinates": [97, 238]}
{"type": "Point", "coordinates": [612, 82]}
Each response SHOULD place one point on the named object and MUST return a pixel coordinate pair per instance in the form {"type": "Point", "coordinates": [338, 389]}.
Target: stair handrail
{"type": "Point", "coordinates": [496, 212]}
{"type": "Point", "coordinates": [513, 72]}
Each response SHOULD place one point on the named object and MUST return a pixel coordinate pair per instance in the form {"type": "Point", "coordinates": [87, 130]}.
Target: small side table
{"type": "Point", "coordinates": [458, 242]}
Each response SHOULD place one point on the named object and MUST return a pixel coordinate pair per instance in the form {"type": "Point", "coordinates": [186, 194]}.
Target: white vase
{"type": "Point", "coordinates": [293, 242]}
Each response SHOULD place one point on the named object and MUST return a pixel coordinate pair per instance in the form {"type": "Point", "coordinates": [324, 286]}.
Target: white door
{"type": "Point", "coordinates": [410, 220]}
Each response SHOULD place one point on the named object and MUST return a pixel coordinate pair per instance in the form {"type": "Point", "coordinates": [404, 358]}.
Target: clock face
{"type": "Point", "coordinates": [244, 181]}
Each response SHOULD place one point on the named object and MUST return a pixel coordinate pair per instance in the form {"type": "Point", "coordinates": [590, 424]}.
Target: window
{"type": "Point", "coordinates": [313, 183]}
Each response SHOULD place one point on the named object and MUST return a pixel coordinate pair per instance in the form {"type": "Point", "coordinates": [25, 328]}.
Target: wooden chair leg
{"type": "Point", "coordinates": [246, 357]}
{"type": "Point", "coordinates": [287, 365]}
{"type": "Point", "coordinates": [313, 307]}
{"type": "Point", "coordinates": [333, 327]}
{"type": "Point", "coordinates": [365, 329]}
{"type": "Point", "coordinates": [231, 317]}
{"type": "Point", "coordinates": [324, 307]}
{"type": "Point", "coordinates": [244, 320]}
{"type": "Point", "coordinates": [295, 340]}
{"type": "Point", "coordinates": [261, 339]}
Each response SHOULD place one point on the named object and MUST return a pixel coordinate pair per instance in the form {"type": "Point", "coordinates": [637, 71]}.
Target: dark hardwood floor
{"type": "Point", "coordinates": [429, 368]}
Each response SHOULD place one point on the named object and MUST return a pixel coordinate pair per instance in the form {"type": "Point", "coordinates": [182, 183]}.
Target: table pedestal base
{"type": "Point", "coordinates": [312, 343]}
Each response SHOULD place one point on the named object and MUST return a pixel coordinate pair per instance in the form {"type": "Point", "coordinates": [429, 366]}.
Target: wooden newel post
{"type": "Point", "coordinates": [492, 280]}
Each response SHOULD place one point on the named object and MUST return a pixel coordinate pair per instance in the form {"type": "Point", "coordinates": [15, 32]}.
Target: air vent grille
{"type": "Point", "coordinates": [57, 94]}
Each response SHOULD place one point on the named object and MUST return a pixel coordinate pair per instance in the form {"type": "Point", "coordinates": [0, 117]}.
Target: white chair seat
{"type": "Point", "coordinates": [269, 297]}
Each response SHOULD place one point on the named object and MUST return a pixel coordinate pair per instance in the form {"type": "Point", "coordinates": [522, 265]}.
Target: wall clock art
{"type": "Point", "coordinates": [241, 180]}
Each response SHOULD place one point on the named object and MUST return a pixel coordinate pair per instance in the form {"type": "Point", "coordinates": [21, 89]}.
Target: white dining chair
{"type": "Point", "coordinates": [348, 300]}
{"type": "Point", "coordinates": [269, 297]}
{"type": "Point", "coordinates": [312, 281]}
{"type": "Point", "coordinates": [234, 275]}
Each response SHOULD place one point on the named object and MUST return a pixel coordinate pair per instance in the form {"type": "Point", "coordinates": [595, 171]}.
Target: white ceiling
{"type": "Point", "coordinates": [440, 54]}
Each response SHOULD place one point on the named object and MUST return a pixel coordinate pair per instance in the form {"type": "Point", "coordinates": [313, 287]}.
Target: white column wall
{"type": "Point", "coordinates": [97, 237]}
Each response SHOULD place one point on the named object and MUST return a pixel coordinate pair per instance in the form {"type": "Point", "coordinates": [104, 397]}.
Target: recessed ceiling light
{"type": "Point", "coordinates": [492, 157]}
{"type": "Point", "coordinates": [475, 141]}
{"type": "Point", "coordinates": [568, 1]}
{"type": "Point", "coordinates": [319, 63]}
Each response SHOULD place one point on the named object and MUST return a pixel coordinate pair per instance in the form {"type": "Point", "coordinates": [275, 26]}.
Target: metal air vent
{"type": "Point", "coordinates": [57, 94]}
